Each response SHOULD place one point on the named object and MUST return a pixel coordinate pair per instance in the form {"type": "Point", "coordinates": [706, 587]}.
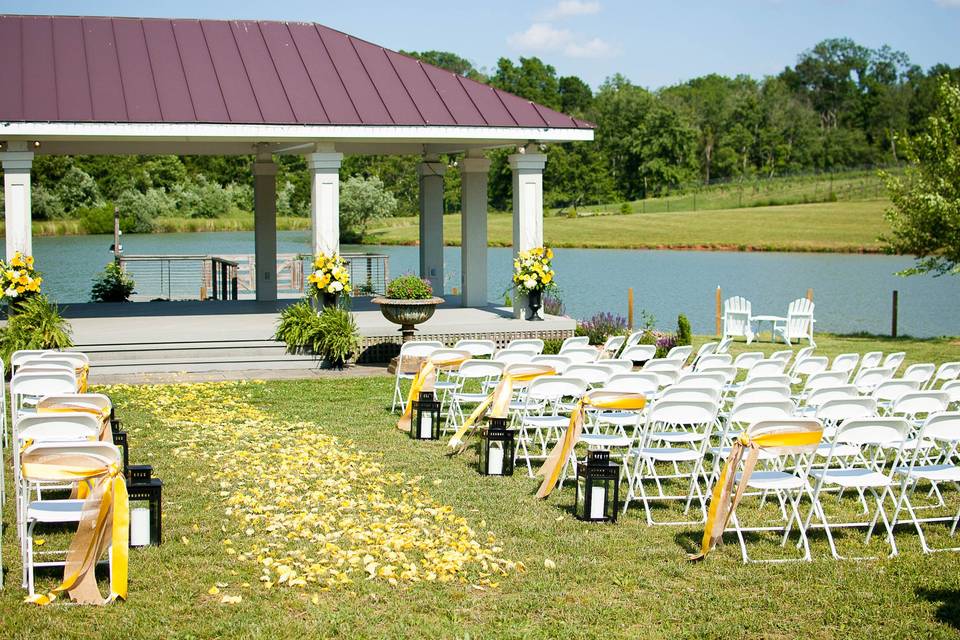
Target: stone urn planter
{"type": "Point", "coordinates": [407, 313]}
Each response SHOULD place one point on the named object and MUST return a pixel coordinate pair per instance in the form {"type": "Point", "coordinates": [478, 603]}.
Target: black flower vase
{"type": "Point", "coordinates": [534, 301]}
{"type": "Point", "coordinates": [330, 300]}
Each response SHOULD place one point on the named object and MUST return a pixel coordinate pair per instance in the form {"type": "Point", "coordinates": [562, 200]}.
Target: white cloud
{"type": "Point", "coordinates": [545, 38]}
{"type": "Point", "coordinates": [568, 8]}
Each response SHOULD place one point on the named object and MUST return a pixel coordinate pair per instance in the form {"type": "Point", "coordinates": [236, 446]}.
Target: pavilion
{"type": "Point", "coordinates": [96, 85]}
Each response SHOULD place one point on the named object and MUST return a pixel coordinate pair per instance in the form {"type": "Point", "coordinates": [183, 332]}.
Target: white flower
{"type": "Point", "coordinates": [337, 286]}
{"type": "Point", "coordinates": [11, 292]}
{"type": "Point", "coordinates": [530, 283]}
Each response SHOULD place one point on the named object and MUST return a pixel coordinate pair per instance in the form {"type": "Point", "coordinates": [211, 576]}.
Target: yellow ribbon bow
{"type": "Point", "coordinates": [553, 465]}
{"type": "Point", "coordinates": [106, 433]}
{"type": "Point", "coordinates": [104, 521]}
{"type": "Point", "coordinates": [724, 500]}
{"type": "Point", "coordinates": [499, 400]}
{"type": "Point", "coordinates": [425, 379]}
{"type": "Point", "coordinates": [83, 372]}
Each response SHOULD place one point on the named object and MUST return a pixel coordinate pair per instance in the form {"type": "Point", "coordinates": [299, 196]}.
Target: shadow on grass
{"type": "Point", "coordinates": [949, 610]}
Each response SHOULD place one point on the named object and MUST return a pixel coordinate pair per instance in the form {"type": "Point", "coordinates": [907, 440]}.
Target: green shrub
{"type": "Point", "coordinates": [77, 189]}
{"type": "Point", "coordinates": [625, 208]}
{"type": "Point", "coordinates": [409, 287]}
{"type": "Point", "coordinates": [35, 323]}
{"type": "Point", "coordinates": [684, 335]}
{"type": "Point", "coordinates": [202, 198]}
{"type": "Point", "coordinates": [362, 200]}
{"type": "Point", "coordinates": [96, 219]}
{"type": "Point", "coordinates": [299, 328]}
{"type": "Point", "coordinates": [551, 346]}
{"type": "Point", "coordinates": [139, 210]}
{"type": "Point", "coordinates": [45, 204]}
{"type": "Point", "coordinates": [112, 284]}
{"type": "Point", "coordinates": [339, 336]}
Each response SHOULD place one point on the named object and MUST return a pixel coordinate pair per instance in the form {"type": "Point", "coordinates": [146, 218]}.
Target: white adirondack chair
{"type": "Point", "coordinates": [799, 324]}
{"type": "Point", "coordinates": [737, 318]}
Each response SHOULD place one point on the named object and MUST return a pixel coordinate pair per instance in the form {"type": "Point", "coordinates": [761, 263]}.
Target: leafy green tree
{"type": "Point", "coordinates": [925, 215]}
{"type": "Point", "coordinates": [362, 200]}
{"type": "Point", "coordinates": [531, 79]}
{"type": "Point", "coordinates": [139, 210]}
{"type": "Point", "coordinates": [576, 97]}
{"type": "Point", "coordinates": [77, 189]}
{"type": "Point", "coordinates": [44, 203]}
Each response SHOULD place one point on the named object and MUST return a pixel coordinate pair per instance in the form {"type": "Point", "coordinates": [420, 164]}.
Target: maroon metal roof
{"type": "Point", "coordinates": [146, 70]}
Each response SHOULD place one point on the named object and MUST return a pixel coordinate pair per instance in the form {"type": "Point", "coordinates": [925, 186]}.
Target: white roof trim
{"type": "Point", "coordinates": [271, 132]}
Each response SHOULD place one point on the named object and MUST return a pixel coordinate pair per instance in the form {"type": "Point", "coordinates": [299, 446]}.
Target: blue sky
{"type": "Point", "coordinates": [652, 43]}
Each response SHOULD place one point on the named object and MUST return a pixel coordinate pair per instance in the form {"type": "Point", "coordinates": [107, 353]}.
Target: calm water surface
{"type": "Point", "coordinates": [852, 292]}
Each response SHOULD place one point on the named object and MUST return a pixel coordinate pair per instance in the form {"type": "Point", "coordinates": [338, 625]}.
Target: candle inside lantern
{"type": "Point", "coordinates": [139, 527]}
{"type": "Point", "coordinates": [495, 461]}
{"type": "Point", "coordinates": [598, 497]}
{"type": "Point", "coordinates": [426, 425]}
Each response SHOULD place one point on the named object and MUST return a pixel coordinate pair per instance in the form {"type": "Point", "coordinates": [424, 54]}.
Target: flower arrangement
{"type": "Point", "coordinates": [601, 326]}
{"type": "Point", "coordinates": [532, 271]}
{"type": "Point", "coordinates": [330, 275]}
{"type": "Point", "coordinates": [18, 278]}
{"type": "Point", "coordinates": [409, 287]}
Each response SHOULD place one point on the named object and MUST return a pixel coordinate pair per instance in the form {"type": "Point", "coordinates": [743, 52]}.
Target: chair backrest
{"type": "Point", "coordinates": [894, 360]}
{"type": "Point", "coordinates": [80, 401]}
{"type": "Point", "coordinates": [17, 358]}
{"type": "Point", "coordinates": [639, 352]}
{"type": "Point", "coordinates": [845, 362]}
{"type": "Point", "coordinates": [593, 375]}
{"type": "Point", "coordinates": [871, 359]}
{"type": "Point", "coordinates": [942, 426]}
{"type": "Point", "coordinates": [526, 343]}
{"type": "Point", "coordinates": [634, 338]}
{"type": "Point", "coordinates": [827, 393]}
{"type": "Point", "coordinates": [691, 394]}
{"type": "Point", "coordinates": [555, 388]}
{"type": "Point", "coordinates": [846, 409]}
{"type": "Point", "coordinates": [769, 367]}
{"type": "Point", "coordinates": [747, 359]}
{"type": "Point", "coordinates": [477, 348]}
{"type": "Point", "coordinates": [104, 452]}
{"type": "Point", "coordinates": [868, 379]}
{"type": "Point", "coordinates": [826, 379]}
{"type": "Point", "coordinates": [639, 382]}
{"type": "Point", "coordinates": [749, 412]}
{"type": "Point", "coordinates": [37, 385]}
{"type": "Point", "coordinates": [872, 431]}
{"type": "Point", "coordinates": [714, 360]}
{"type": "Point", "coordinates": [680, 412]}
{"type": "Point", "coordinates": [952, 389]}
{"type": "Point", "coordinates": [802, 355]}
{"type": "Point", "coordinates": [616, 365]}
{"type": "Point", "coordinates": [666, 376]}
{"type": "Point", "coordinates": [663, 364]}
{"type": "Point", "coordinates": [917, 403]}
{"type": "Point", "coordinates": [947, 372]}
{"type": "Point", "coordinates": [710, 379]}
{"type": "Point", "coordinates": [480, 369]}
{"type": "Point", "coordinates": [800, 318]}
{"type": "Point", "coordinates": [811, 365]}
{"type": "Point", "coordinates": [779, 380]}
{"type": "Point", "coordinates": [724, 346]}
{"type": "Point", "coordinates": [76, 357]}
{"type": "Point", "coordinates": [680, 352]}
{"type": "Point", "coordinates": [922, 372]}
{"type": "Point", "coordinates": [705, 349]}
{"type": "Point", "coordinates": [575, 340]}
{"type": "Point", "coordinates": [41, 362]}
{"type": "Point", "coordinates": [761, 395]}
{"type": "Point", "coordinates": [449, 354]}
{"type": "Point", "coordinates": [890, 390]}
{"type": "Point", "coordinates": [728, 372]}
{"type": "Point", "coordinates": [786, 425]}
{"type": "Point", "coordinates": [613, 344]}
{"type": "Point", "coordinates": [581, 354]}
{"type": "Point", "coordinates": [785, 354]}
{"type": "Point", "coordinates": [58, 427]}
{"type": "Point", "coordinates": [559, 363]}
{"type": "Point", "coordinates": [736, 317]}
{"type": "Point", "coordinates": [515, 356]}
{"type": "Point", "coordinates": [416, 349]}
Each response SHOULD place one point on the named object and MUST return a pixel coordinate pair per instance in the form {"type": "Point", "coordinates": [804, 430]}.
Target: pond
{"type": "Point", "coordinates": [852, 292]}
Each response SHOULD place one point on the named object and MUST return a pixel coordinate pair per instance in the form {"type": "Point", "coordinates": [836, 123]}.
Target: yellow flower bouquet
{"type": "Point", "coordinates": [330, 276]}
{"type": "Point", "coordinates": [532, 270]}
{"type": "Point", "coordinates": [18, 279]}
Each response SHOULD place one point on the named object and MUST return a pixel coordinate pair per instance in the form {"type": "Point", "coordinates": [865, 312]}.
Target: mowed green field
{"type": "Point", "coordinates": [832, 226]}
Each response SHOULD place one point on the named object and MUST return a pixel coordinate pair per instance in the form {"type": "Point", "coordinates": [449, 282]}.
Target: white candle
{"type": "Point", "coordinates": [597, 499]}
{"type": "Point", "coordinates": [139, 527]}
{"type": "Point", "coordinates": [495, 461]}
{"type": "Point", "coordinates": [426, 425]}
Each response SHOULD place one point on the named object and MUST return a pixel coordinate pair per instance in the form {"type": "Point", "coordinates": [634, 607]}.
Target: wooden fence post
{"type": "Point", "coordinates": [719, 295]}
{"type": "Point", "coordinates": [810, 294]}
{"type": "Point", "coordinates": [893, 319]}
{"type": "Point", "coordinates": [630, 308]}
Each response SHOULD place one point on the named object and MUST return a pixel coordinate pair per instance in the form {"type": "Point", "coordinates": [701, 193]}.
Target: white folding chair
{"type": "Point", "coordinates": [594, 375]}
{"type": "Point", "coordinates": [846, 362]}
{"type": "Point", "coordinates": [894, 360]}
{"type": "Point", "coordinates": [559, 363]}
{"type": "Point", "coordinates": [639, 352]}
{"type": "Point", "coordinates": [952, 389]}
{"type": "Point", "coordinates": [917, 406]}
{"type": "Point", "coordinates": [824, 379]}
{"type": "Point", "coordinates": [484, 372]}
{"type": "Point", "coordinates": [410, 351]}
{"type": "Point", "coordinates": [867, 380]}
{"type": "Point", "coordinates": [786, 355]}
{"type": "Point", "coordinates": [860, 435]}
{"type": "Point", "coordinates": [540, 414]}
{"type": "Point", "coordinates": [579, 341]}
{"type": "Point", "coordinates": [947, 372]}
{"type": "Point", "coordinates": [870, 360]}
{"type": "Point", "coordinates": [724, 346]}
{"type": "Point", "coordinates": [713, 361]}
{"type": "Point", "coordinates": [477, 348]}
{"type": "Point", "coordinates": [581, 355]}
{"type": "Point", "coordinates": [680, 352]}
{"type": "Point", "coordinates": [535, 344]}
{"type": "Point", "coordinates": [706, 349]}
{"type": "Point", "coordinates": [802, 355]}
{"type": "Point", "coordinates": [746, 360]}
{"type": "Point", "coordinates": [923, 373]}
{"type": "Point", "coordinates": [516, 356]}
{"type": "Point", "coordinates": [613, 345]}
{"type": "Point", "coordinates": [889, 391]}
{"type": "Point", "coordinates": [616, 365]}
{"type": "Point", "coordinates": [809, 366]}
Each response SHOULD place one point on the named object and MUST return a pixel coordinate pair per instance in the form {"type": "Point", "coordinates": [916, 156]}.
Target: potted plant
{"type": "Point", "coordinates": [532, 275]}
{"type": "Point", "coordinates": [409, 302]}
{"type": "Point", "coordinates": [329, 279]}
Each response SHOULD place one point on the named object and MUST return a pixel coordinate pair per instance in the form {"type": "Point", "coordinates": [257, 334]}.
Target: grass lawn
{"type": "Point", "coordinates": [832, 226]}
{"type": "Point", "coordinates": [218, 449]}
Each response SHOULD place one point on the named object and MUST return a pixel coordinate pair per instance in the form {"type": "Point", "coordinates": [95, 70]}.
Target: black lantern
{"type": "Point", "coordinates": [145, 521]}
{"type": "Point", "coordinates": [598, 488]}
{"type": "Point", "coordinates": [426, 417]}
{"type": "Point", "coordinates": [496, 449]}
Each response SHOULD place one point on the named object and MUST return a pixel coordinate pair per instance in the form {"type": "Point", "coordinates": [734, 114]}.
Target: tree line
{"type": "Point", "coordinates": [840, 105]}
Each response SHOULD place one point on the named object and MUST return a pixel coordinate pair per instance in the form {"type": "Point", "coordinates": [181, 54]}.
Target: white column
{"type": "Point", "coordinates": [324, 168]}
{"type": "Point", "coordinates": [474, 173]}
{"type": "Point", "coordinates": [431, 222]}
{"type": "Point", "coordinates": [527, 209]}
{"type": "Point", "coordinates": [17, 162]}
{"type": "Point", "coordinates": [265, 225]}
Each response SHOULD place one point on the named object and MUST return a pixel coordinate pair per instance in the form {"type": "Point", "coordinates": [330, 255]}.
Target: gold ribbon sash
{"type": "Point", "coordinates": [425, 379]}
{"type": "Point", "coordinates": [553, 465]}
{"type": "Point", "coordinates": [83, 373]}
{"type": "Point", "coordinates": [106, 433]}
{"type": "Point", "coordinates": [724, 499]}
{"type": "Point", "coordinates": [499, 401]}
{"type": "Point", "coordinates": [104, 522]}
